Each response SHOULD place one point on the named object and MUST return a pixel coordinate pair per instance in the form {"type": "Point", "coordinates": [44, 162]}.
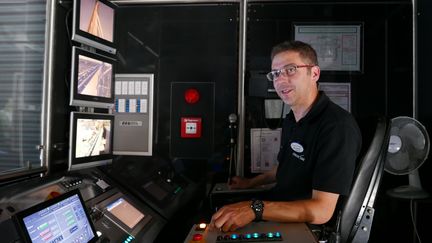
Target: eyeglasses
{"type": "Point", "coordinates": [288, 70]}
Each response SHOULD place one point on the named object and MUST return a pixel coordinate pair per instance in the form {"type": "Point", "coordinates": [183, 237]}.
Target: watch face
{"type": "Point", "coordinates": [257, 205]}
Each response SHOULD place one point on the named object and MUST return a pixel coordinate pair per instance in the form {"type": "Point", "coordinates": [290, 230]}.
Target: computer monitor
{"type": "Point", "coordinates": [93, 24]}
{"type": "Point", "coordinates": [61, 219]}
{"type": "Point", "coordinates": [91, 137]}
{"type": "Point", "coordinates": [122, 210]}
{"type": "Point", "coordinates": [92, 79]}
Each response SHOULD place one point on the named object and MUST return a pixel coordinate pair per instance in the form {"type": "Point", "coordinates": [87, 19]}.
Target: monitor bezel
{"type": "Point", "coordinates": [19, 217]}
{"type": "Point", "coordinates": [77, 99]}
{"type": "Point", "coordinates": [90, 161]}
{"type": "Point", "coordinates": [86, 38]}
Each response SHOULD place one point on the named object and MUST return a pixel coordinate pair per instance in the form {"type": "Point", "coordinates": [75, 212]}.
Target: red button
{"type": "Point", "coordinates": [191, 96]}
{"type": "Point", "coordinates": [197, 237]}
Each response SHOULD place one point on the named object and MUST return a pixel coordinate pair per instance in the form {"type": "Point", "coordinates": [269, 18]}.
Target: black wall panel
{"type": "Point", "coordinates": [183, 43]}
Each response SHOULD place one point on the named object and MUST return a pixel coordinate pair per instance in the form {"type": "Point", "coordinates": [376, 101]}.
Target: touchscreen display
{"type": "Point", "coordinates": [125, 212]}
{"type": "Point", "coordinates": [64, 221]}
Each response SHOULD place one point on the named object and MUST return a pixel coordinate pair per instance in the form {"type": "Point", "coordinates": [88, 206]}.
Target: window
{"type": "Point", "coordinates": [22, 40]}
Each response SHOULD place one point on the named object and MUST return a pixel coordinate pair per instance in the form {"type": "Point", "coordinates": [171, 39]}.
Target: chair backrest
{"type": "Point", "coordinates": [357, 211]}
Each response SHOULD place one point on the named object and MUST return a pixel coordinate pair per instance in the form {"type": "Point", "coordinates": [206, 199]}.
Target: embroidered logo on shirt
{"type": "Point", "coordinates": [298, 150]}
{"type": "Point", "coordinates": [297, 147]}
{"type": "Point", "coordinates": [299, 156]}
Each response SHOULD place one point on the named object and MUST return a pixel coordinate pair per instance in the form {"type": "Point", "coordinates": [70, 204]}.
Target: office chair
{"type": "Point", "coordinates": [355, 219]}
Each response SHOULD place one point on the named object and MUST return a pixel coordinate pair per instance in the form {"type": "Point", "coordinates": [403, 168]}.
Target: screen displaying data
{"type": "Point", "coordinates": [125, 212]}
{"type": "Point", "coordinates": [64, 221]}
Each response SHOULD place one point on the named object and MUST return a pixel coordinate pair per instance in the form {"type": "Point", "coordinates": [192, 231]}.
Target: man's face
{"type": "Point", "coordinates": [295, 89]}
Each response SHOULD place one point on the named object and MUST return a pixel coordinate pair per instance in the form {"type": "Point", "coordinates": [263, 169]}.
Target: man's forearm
{"type": "Point", "coordinates": [263, 179]}
{"type": "Point", "coordinates": [317, 210]}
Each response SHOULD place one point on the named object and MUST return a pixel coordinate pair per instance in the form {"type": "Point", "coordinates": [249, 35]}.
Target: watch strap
{"type": "Point", "coordinates": [258, 208]}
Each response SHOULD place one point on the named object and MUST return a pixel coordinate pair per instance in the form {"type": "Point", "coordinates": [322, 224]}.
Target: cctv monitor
{"type": "Point", "coordinates": [93, 24]}
{"type": "Point", "coordinates": [91, 137]}
{"type": "Point", "coordinates": [61, 219]}
{"type": "Point", "coordinates": [92, 79]}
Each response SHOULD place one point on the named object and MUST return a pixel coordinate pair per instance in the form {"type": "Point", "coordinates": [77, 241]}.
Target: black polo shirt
{"type": "Point", "coordinates": [318, 152]}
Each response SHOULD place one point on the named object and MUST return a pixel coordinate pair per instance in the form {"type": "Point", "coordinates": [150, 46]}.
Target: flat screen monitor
{"type": "Point", "coordinates": [92, 79]}
{"type": "Point", "coordinates": [93, 24]}
{"type": "Point", "coordinates": [91, 137]}
{"type": "Point", "coordinates": [125, 212]}
{"type": "Point", "coordinates": [61, 219]}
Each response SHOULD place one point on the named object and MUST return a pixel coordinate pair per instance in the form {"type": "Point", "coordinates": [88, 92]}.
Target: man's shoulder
{"type": "Point", "coordinates": [336, 116]}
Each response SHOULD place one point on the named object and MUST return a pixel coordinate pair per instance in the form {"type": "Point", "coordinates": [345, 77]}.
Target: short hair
{"type": "Point", "coordinates": [306, 51]}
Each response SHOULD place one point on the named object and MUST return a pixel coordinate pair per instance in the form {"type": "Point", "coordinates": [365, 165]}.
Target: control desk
{"type": "Point", "coordinates": [116, 215]}
{"type": "Point", "coordinates": [253, 232]}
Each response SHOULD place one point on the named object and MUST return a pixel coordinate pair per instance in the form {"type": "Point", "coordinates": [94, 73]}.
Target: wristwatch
{"type": "Point", "coordinates": [258, 208]}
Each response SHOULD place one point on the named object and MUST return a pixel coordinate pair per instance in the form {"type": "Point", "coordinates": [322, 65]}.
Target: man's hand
{"type": "Point", "coordinates": [233, 216]}
{"type": "Point", "coordinates": [238, 182]}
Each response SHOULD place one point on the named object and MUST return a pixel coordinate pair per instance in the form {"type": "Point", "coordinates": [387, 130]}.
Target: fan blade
{"type": "Point", "coordinates": [397, 163]}
{"type": "Point", "coordinates": [413, 136]}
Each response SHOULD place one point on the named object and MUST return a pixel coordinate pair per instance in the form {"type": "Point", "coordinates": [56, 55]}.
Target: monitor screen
{"type": "Point", "coordinates": [91, 136]}
{"type": "Point", "coordinates": [61, 219]}
{"type": "Point", "coordinates": [93, 24]}
{"type": "Point", "coordinates": [92, 79]}
{"type": "Point", "coordinates": [125, 212]}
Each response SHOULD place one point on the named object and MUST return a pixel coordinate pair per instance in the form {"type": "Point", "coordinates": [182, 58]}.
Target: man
{"type": "Point", "coordinates": [319, 146]}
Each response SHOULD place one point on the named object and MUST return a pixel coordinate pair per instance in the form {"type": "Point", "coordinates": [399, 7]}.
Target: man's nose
{"type": "Point", "coordinates": [280, 78]}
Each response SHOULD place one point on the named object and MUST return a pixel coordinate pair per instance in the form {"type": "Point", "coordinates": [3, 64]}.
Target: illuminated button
{"type": "Point", "coordinates": [197, 237]}
{"type": "Point", "coordinates": [234, 237]}
{"type": "Point", "coordinates": [247, 236]}
{"type": "Point", "coordinates": [191, 96]}
{"type": "Point", "coordinates": [255, 235]}
{"type": "Point", "coordinates": [202, 226]}
{"type": "Point", "coordinates": [270, 235]}
{"type": "Point", "coordinates": [277, 235]}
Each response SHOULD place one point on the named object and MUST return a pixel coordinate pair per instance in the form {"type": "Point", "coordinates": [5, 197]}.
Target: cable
{"type": "Point", "coordinates": [67, 27]}
{"type": "Point", "coordinates": [413, 221]}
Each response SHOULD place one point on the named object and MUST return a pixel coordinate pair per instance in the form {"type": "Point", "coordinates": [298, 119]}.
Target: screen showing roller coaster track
{"type": "Point", "coordinates": [93, 24]}
{"type": "Point", "coordinates": [92, 79]}
{"type": "Point", "coordinates": [91, 140]}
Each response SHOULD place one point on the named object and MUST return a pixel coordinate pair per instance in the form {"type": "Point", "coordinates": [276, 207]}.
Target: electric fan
{"type": "Point", "coordinates": [407, 151]}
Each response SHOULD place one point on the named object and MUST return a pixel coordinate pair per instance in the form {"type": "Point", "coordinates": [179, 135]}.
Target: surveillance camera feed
{"type": "Point", "coordinates": [94, 77]}
{"type": "Point", "coordinates": [97, 19]}
{"type": "Point", "coordinates": [92, 137]}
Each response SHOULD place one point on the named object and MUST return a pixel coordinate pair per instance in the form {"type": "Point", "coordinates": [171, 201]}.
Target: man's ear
{"type": "Point", "coordinates": [316, 71]}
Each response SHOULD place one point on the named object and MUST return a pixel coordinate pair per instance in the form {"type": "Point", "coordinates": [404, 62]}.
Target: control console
{"type": "Point", "coordinates": [254, 232]}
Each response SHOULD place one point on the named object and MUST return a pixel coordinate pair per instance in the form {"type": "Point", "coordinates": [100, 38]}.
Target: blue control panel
{"type": "Point", "coordinates": [250, 237]}
{"type": "Point", "coordinates": [264, 231]}
{"type": "Point", "coordinates": [64, 221]}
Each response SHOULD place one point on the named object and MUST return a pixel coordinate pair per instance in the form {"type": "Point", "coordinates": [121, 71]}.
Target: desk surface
{"type": "Point", "coordinates": [223, 188]}
{"type": "Point", "coordinates": [290, 232]}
